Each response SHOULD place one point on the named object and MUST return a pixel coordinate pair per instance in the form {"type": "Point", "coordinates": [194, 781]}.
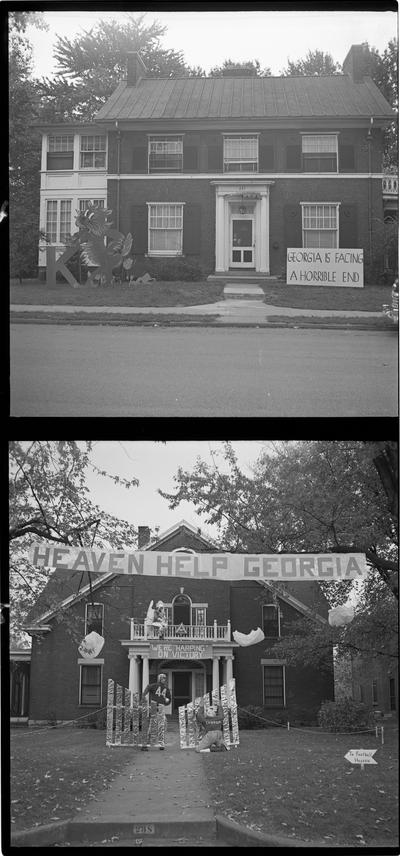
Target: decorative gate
{"type": "Point", "coordinates": [188, 731]}
{"type": "Point", "coordinates": [130, 723]}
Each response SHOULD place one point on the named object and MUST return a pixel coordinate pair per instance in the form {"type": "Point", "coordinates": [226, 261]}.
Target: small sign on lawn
{"type": "Point", "coordinates": [361, 756]}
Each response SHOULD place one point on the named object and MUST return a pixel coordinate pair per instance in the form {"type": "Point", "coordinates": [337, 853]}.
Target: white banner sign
{"type": "Point", "coordinates": [322, 266]}
{"type": "Point", "coordinates": [220, 566]}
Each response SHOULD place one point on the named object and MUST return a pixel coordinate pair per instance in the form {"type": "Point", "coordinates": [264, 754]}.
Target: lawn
{"type": "Point", "coordinates": [293, 783]}
{"type": "Point", "coordinates": [151, 294]}
{"type": "Point", "coordinates": [56, 772]}
{"type": "Point", "coordinates": [368, 299]}
{"type": "Point", "coordinates": [298, 784]}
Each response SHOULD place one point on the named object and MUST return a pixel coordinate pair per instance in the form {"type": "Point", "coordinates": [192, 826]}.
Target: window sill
{"type": "Point", "coordinates": [164, 256]}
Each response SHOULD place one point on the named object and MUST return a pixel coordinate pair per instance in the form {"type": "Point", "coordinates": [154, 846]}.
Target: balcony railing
{"type": "Point", "coordinates": [182, 632]}
{"type": "Point", "coordinates": [390, 185]}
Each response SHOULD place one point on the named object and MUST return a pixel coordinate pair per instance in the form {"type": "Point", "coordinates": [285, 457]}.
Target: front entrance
{"type": "Point", "coordinates": [181, 689]}
{"type": "Point", "coordinates": [242, 242]}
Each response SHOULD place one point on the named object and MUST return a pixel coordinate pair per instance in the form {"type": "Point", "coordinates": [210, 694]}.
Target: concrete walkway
{"type": "Point", "coordinates": [160, 794]}
{"type": "Point", "coordinates": [230, 310]}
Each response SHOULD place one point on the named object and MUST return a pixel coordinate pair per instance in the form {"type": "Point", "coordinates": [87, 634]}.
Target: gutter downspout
{"type": "Point", "coordinates": [118, 169]}
{"type": "Point", "coordinates": [369, 138]}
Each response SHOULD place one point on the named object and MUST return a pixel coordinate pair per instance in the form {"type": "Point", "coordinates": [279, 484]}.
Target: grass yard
{"type": "Point", "coordinates": [368, 299]}
{"type": "Point", "coordinates": [293, 783]}
{"type": "Point", "coordinates": [54, 773]}
{"type": "Point", "coordinates": [152, 294]}
{"type": "Point", "coordinates": [298, 784]}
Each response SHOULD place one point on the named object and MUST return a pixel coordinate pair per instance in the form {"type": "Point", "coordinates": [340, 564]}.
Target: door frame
{"type": "Point", "coordinates": [252, 247]}
{"type": "Point", "coordinates": [229, 191]}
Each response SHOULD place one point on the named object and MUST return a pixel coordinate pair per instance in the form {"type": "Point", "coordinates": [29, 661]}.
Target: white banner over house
{"type": "Point", "coordinates": [320, 266]}
{"type": "Point", "coordinates": [219, 566]}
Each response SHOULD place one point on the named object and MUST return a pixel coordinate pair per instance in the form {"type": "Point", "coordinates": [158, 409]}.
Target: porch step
{"type": "Point", "coordinates": [243, 291]}
{"type": "Point", "coordinates": [228, 276]}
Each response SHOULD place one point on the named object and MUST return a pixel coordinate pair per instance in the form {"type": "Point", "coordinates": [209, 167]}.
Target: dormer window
{"type": "Point", "coordinates": [319, 152]}
{"type": "Point", "coordinates": [241, 153]}
{"type": "Point", "coordinates": [166, 154]}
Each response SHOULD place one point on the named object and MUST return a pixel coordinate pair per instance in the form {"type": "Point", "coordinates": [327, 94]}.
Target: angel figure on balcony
{"type": "Point", "coordinates": [156, 617]}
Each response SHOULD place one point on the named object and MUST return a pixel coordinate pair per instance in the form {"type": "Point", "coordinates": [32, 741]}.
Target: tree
{"type": "Point", "coordinates": [217, 70]}
{"type": "Point", "coordinates": [383, 68]}
{"type": "Point", "coordinates": [316, 63]}
{"type": "Point", "coordinates": [312, 496]}
{"type": "Point", "coordinates": [49, 500]}
{"type": "Point", "coordinates": [24, 147]}
{"type": "Point", "coordinates": [91, 65]}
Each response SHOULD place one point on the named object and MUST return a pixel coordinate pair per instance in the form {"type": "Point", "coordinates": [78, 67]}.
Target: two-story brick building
{"type": "Point", "coordinates": [198, 651]}
{"type": "Point", "coordinates": [228, 172]}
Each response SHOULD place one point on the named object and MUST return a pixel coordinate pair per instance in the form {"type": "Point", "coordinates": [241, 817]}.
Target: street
{"type": "Point", "coordinates": [62, 370]}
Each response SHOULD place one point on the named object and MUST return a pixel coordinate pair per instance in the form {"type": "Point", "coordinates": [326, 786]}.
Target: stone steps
{"type": "Point", "coordinates": [243, 291]}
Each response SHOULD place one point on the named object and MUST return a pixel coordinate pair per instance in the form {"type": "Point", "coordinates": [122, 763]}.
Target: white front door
{"type": "Point", "coordinates": [242, 242]}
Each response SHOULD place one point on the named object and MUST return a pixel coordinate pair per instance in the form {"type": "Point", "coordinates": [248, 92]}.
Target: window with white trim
{"type": "Point", "coordinates": [90, 684]}
{"type": "Point", "coordinates": [84, 203]}
{"type": "Point", "coordinates": [320, 152]}
{"type": "Point", "coordinates": [166, 154]}
{"type": "Point", "coordinates": [199, 616]}
{"type": "Point", "coordinates": [60, 151]}
{"type": "Point", "coordinates": [241, 154]}
{"type": "Point", "coordinates": [320, 223]}
{"type": "Point", "coordinates": [92, 151]}
{"type": "Point", "coordinates": [274, 686]}
{"type": "Point", "coordinates": [271, 620]}
{"type": "Point", "coordinates": [94, 618]}
{"type": "Point", "coordinates": [58, 220]}
{"type": "Point", "coordinates": [165, 229]}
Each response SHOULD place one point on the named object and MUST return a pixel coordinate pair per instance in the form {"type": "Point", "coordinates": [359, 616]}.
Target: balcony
{"type": "Point", "coordinates": [182, 632]}
{"type": "Point", "coordinates": [390, 186]}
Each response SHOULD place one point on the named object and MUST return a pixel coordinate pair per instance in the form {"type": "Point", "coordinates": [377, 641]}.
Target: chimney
{"type": "Point", "coordinates": [135, 68]}
{"type": "Point", "coordinates": [356, 63]}
{"type": "Point", "coordinates": [239, 71]}
{"type": "Point", "coordinates": [143, 536]}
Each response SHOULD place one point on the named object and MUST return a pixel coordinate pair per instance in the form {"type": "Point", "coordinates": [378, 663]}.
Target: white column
{"type": "Point", "coordinates": [215, 677]}
{"type": "Point", "coordinates": [134, 685]}
{"type": "Point", "coordinates": [264, 231]}
{"type": "Point", "coordinates": [219, 232]}
{"type": "Point", "coordinates": [229, 663]}
{"type": "Point", "coordinates": [145, 672]}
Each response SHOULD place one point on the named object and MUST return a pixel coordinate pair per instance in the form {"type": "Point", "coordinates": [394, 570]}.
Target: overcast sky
{"type": "Point", "coordinates": [155, 465]}
{"type": "Point", "coordinates": [208, 38]}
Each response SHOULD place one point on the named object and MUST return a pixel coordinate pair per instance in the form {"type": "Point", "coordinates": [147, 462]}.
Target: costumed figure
{"type": "Point", "coordinates": [159, 693]}
{"type": "Point", "coordinates": [156, 617]}
{"type": "Point", "coordinates": [210, 729]}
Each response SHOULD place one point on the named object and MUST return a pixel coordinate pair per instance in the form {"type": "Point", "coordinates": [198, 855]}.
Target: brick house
{"type": "Point", "coordinates": [65, 686]}
{"type": "Point", "coordinates": [229, 172]}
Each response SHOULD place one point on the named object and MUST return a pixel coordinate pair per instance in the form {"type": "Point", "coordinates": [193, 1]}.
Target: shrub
{"type": "Point", "coordinates": [175, 270]}
{"type": "Point", "coordinates": [344, 715]}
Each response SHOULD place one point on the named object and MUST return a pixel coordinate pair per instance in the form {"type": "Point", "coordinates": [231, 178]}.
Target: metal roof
{"type": "Point", "coordinates": [245, 97]}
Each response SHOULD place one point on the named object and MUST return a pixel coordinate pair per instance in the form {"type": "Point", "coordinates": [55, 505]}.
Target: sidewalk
{"type": "Point", "coordinates": [159, 794]}
{"type": "Point", "coordinates": [230, 311]}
